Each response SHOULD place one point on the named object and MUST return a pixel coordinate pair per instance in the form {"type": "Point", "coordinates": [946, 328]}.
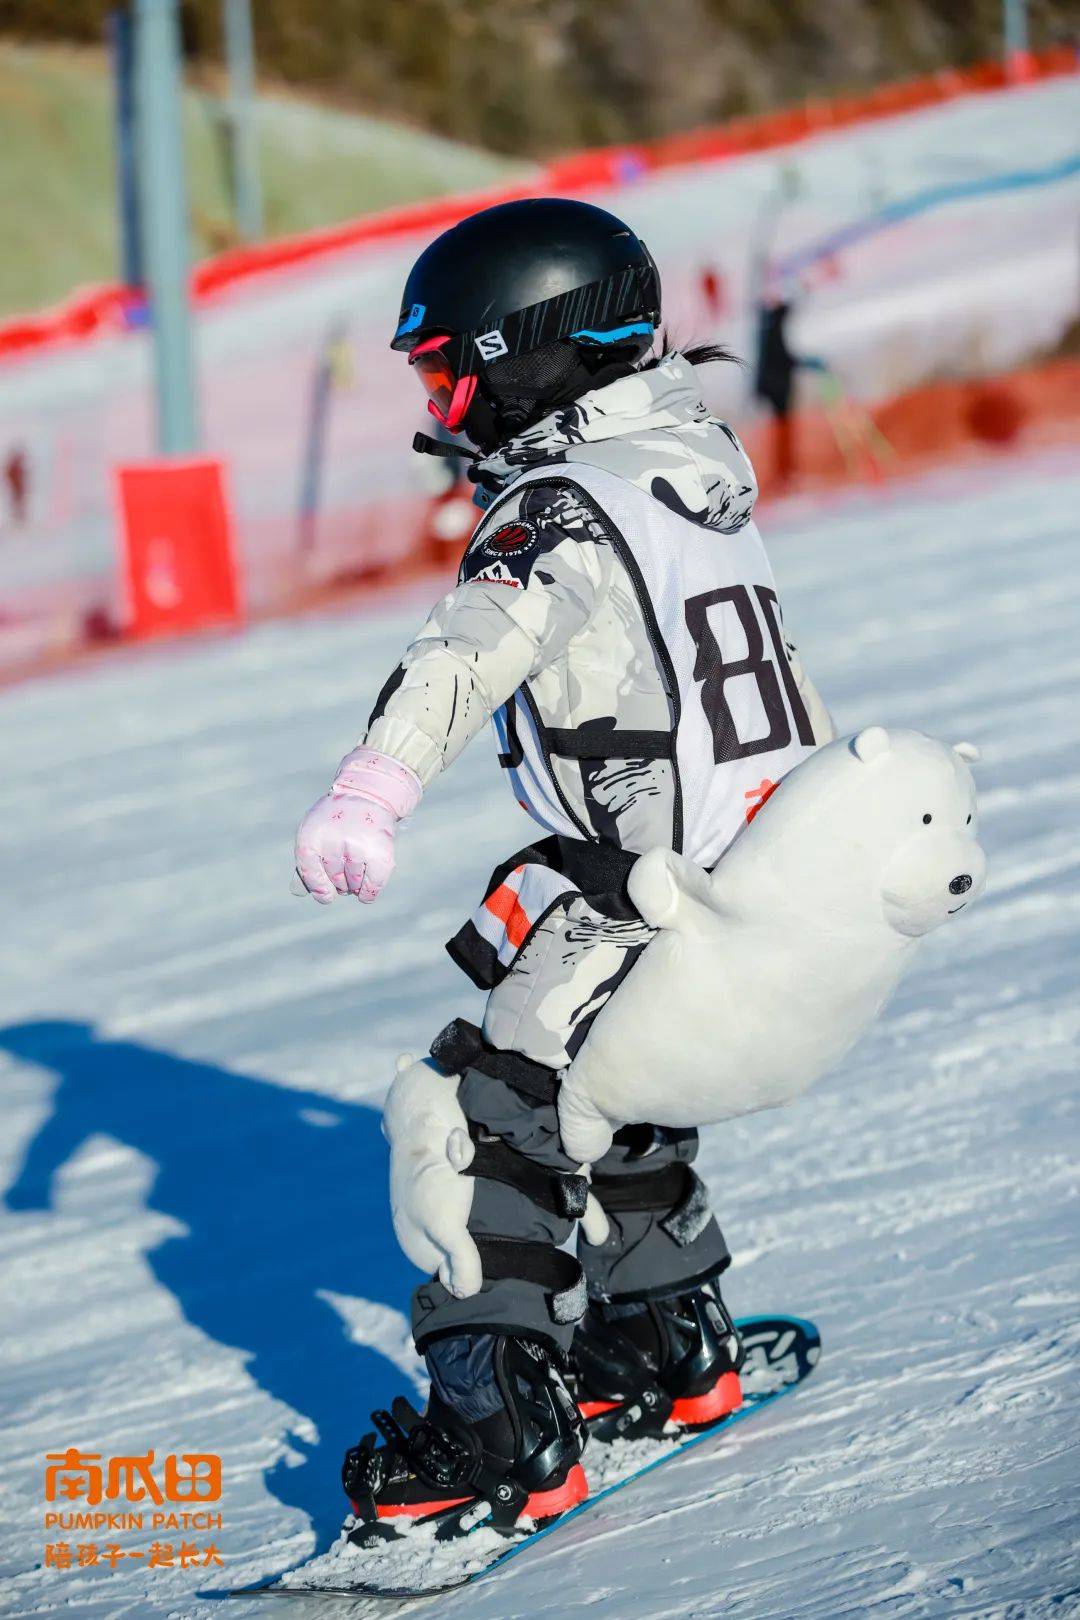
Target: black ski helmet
{"type": "Point", "coordinates": [520, 307]}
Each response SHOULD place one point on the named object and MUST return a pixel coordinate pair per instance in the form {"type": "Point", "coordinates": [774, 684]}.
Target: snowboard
{"type": "Point", "coordinates": [781, 1351]}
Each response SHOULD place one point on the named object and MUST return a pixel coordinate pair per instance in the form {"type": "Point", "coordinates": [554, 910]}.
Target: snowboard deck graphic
{"type": "Point", "coordinates": [781, 1351]}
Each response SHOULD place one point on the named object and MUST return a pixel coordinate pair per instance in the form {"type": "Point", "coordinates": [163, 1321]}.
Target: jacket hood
{"type": "Point", "coordinates": [651, 428]}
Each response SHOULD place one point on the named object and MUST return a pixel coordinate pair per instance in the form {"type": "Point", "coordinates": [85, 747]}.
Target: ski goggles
{"type": "Point", "coordinates": [449, 396]}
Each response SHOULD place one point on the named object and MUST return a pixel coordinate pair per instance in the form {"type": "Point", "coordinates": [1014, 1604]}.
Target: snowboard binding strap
{"type": "Point", "coordinates": [444, 1462]}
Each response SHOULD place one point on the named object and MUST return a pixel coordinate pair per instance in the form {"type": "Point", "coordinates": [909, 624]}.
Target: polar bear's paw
{"type": "Point", "coordinates": [586, 1133]}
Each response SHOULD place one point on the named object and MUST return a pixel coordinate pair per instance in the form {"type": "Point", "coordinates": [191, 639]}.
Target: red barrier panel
{"type": "Point", "coordinates": [86, 315]}
{"type": "Point", "coordinates": [177, 560]}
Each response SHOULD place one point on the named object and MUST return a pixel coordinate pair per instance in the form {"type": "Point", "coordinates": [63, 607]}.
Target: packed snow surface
{"type": "Point", "coordinates": [195, 1249]}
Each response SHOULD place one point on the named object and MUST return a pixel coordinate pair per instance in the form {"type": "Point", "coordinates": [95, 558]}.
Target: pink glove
{"type": "Point", "coordinates": [345, 843]}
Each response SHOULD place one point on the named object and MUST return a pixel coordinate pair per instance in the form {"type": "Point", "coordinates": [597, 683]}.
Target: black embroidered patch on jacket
{"type": "Point", "coordinates": [545, 515]}
{"type": "Point", "coordinates": [511, 539]}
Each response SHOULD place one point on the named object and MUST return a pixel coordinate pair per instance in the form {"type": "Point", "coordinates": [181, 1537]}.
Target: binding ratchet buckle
{"type": "Point", "coordinates": [442, 1460]}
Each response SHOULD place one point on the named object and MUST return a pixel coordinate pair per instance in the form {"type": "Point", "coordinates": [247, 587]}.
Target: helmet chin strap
{"type": "Point", "coordinates": [425, 445]}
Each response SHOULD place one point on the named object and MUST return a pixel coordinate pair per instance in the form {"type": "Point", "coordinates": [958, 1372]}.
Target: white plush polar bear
{"type": "Point", "coordinates": [767, 970]}
{"type": "Point", "coordinates": [430, 1194]}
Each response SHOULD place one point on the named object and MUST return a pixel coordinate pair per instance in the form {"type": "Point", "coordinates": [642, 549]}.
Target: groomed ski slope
{"type": "Point", "coordinates": [195, 1253]}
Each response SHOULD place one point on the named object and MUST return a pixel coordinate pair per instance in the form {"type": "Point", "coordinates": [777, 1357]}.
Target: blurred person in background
{"type": "Point", "coordinates": [774, 379]}
{"type": "Point", "coordinates": [860, 441]}
{"type": "Point", "coordinates": [776, 364]}
{"type": "Point", "coordinates": [617, 618]}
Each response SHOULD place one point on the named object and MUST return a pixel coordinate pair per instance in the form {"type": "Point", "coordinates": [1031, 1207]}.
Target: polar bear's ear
{"type": "Point", "coordinates": [870, 744]}
{"type": "Point", "coordinates": [968, 753]}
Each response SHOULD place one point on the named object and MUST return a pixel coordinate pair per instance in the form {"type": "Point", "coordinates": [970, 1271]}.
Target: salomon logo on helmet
{"type": "Point", "coordinates": [491, 345]}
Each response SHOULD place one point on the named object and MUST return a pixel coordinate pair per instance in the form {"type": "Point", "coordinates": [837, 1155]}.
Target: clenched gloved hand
{"type": "Point", "coordinates": [345, 843]}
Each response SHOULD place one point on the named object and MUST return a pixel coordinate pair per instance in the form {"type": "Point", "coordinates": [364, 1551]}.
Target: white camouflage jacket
{"type": "Point", "coordinates": [616, 617]}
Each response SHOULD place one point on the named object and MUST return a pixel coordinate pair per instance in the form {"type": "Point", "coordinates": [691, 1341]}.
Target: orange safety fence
{"type": "Point", "coordinates": [107, 308]}
{"type": "Point", "coordinates": [922, 428]}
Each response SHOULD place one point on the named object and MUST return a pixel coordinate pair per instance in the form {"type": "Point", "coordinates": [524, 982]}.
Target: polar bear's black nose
{"type": "Point", "coordinates": [961, 884]}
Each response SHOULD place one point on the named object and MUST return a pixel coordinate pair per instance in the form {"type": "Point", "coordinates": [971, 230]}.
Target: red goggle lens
{"type": "Point", "coordinates": [435, 373]}
{"type": "Point", "coordinates": [449, 397]}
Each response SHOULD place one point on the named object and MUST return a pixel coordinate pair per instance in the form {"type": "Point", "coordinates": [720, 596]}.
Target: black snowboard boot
{"type": "Point", "coordinates": [657, 1367]}
{"type": "Point", "coordinates": [499, 1444]}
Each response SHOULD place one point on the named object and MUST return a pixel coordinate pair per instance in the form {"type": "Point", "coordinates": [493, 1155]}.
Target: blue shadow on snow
{"type": "Point", "coordinates": [277, 1206]}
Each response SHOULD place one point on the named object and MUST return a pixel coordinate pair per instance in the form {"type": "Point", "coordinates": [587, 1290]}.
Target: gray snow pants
{"type": "Point", "coordinates": [662, 1236]}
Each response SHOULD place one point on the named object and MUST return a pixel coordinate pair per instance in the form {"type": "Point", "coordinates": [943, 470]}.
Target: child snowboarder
{"type": "Point", "coordinates": [617, 618]}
